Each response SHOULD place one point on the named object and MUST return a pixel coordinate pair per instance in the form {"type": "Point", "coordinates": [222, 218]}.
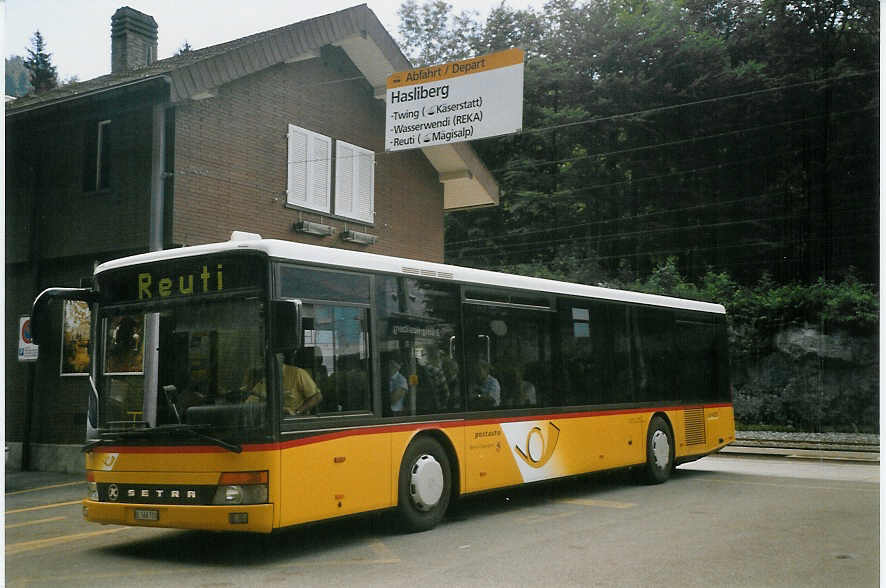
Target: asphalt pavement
{"type": "Point", "coordinates": [18, 481]}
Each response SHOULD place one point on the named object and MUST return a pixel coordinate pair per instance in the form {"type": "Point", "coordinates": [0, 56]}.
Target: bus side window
{"type": "Point", "coordinates": [418, 334]}
{"type": "Point", "coordinates": [653, 356]}
{"type": "Point", "coordinates": [336, 354]}
{"type": "Point", "coordinates": [508, 357]}
{"type": "Point", "coordinates": [586, 353]}
{"type": "Point", "coordinates": [696, 356]}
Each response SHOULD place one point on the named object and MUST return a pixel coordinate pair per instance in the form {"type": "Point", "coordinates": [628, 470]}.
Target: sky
{"type": "Point", "coordinates": [78, 32]}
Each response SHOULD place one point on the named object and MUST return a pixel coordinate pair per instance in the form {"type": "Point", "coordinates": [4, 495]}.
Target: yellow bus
{"type": "Point", "coordinates": [256, 384]}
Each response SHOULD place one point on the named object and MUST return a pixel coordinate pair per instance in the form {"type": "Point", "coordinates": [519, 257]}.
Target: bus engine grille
{"type": "Point", "coordinates": [693, 421]}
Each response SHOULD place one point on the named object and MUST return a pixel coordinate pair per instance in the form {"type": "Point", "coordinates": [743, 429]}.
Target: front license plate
{"type": "Point", "coordinates": [147, 515]}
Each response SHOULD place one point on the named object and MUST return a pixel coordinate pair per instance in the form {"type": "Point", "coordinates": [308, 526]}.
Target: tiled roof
{"type": "Point", "coordinates": [356, 30]}
{"type": "Point", "coordinates": [203, 69]}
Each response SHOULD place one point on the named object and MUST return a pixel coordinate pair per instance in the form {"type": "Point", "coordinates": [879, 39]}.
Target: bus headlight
{"type": "Point", "coordinates": [91, 487]}
{"type": "Point", "coordinates": [242, 488]}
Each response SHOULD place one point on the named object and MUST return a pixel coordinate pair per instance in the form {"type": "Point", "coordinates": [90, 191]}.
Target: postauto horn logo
{"type": "Point", "coordinates": [539, 445]}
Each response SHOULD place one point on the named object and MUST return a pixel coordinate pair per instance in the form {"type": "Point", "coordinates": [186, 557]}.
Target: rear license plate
{"type": "Point", "coordinates": [147, 515]}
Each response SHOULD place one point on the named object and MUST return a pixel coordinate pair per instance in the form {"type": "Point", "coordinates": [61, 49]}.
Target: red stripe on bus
{"type": "Point", "coordinates": [393, 428]}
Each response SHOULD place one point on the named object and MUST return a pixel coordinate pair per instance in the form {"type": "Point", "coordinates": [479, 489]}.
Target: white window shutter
{"type": "Point", "coordinates": [365, 164]}
{"type": "Point", "coordinates": [354, 182]}
{"type": "Point", "coordinates": [344, 179]}
{"type": "Point", "coordinates": [320, 159]}
{"type": "Point", "coordinates": [297, 167]}
{"type": "Point", "coordinates": [309, 167]}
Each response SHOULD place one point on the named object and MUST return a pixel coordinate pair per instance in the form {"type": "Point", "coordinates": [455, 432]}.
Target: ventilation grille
{"type": "Point", "coordinates": [693, 421]}
{"type": "Point", "coordinates": [425, 273]}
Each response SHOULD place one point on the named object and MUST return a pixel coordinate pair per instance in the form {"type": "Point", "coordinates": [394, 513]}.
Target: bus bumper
{"type": "Point", "coordinates": [255, 518]}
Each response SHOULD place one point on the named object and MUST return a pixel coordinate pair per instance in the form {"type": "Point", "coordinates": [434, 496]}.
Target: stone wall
{"type": "Point", "coordinates": [801, 377]}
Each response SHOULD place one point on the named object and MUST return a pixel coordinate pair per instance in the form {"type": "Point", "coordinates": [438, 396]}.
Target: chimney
{"type": "Point", "coordinates": [133, 40]}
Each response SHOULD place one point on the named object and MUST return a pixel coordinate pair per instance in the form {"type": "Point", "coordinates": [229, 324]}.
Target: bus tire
{"type": "Point", "coordinates": [425, 485]}
{"type": "Point", "coordinates": [659, 451]}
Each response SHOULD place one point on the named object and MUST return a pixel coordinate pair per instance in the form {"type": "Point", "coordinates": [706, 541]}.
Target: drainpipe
{"type": "Point", "coordinates": [155, 243]}
{"type": "Point", "coordinates": [35, 257]}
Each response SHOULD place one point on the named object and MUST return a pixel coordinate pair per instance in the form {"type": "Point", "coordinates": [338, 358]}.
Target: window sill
{"type": "Point", "coordinates": [329, 216]}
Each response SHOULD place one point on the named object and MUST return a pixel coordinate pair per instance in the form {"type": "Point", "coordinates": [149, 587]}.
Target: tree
{"type": "Point", "coordinates": [17, 79]}
{"type": "Point", "coordinates": [43, 75]}
{"type": "Point", "coordinates": [433, 34]}
{"type": "Point", "coordinates": [724, 135]}
{"type": "Point", "coordinates": [185, 48]}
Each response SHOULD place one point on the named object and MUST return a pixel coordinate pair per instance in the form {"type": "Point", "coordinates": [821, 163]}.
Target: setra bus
{"type": "Point", "coordinates": [425, 382]}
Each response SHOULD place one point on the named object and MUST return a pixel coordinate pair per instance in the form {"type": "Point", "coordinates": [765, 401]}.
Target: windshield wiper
{"type": "Point", "coordinates": [196, 432]}
{"type": "Point", "coordinates": [93, 444]}
{"type": "Point", "coordinates": [193, 430]}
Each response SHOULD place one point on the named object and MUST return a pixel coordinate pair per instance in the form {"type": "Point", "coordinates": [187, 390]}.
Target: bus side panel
{"type": "Point", "coordinates": [489, 462]}
{"type": "Point", "coordinates": [701, 430]}
{"type": "Point", "coordinates": [333, 477]}
{"type": "Point", "coordinates": [527, 451]}
{"type": "Point", "coordinates": [601, 442]}
{"type": "Point", "coordinates": [720, 425]}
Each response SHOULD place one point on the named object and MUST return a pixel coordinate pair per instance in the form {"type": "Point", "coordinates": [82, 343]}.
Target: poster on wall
{"type": "Point", "coordinates": [125, 345]}
{"type": "Point", "coordinates": [75, 338]}
{"type": "Point", "coordinates": [27, 349]}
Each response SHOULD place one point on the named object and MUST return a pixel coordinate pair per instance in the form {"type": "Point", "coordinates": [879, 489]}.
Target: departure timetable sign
{"type": "Point", "coordinates": [455, 101]}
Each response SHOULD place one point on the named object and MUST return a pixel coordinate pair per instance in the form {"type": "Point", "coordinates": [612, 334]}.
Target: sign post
{"type": "Point", "coordinates": [455, 101]}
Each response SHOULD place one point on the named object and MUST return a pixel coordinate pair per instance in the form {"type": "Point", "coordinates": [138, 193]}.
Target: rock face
{"type": "Point", "coordinates": [800, 342]}
{"type": "Point", "coordinates": [804, 378]}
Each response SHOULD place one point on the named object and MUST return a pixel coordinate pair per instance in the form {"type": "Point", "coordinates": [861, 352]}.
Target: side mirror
{"type": "Point", "coordinates": [39, 317]}
{"type": "Point", "coordinates": [286, 325]}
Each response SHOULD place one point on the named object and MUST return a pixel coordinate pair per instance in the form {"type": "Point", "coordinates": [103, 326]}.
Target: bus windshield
{"type": "Point", "coordinates": [196, 363]}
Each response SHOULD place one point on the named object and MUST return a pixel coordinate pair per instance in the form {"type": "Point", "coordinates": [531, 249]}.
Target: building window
{"type": "Point", "coordinates": [97, 161]}
{"type": "Point", "coordinates": [310, 179]}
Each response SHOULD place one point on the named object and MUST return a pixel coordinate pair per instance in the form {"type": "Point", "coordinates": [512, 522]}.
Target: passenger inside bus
{"type": "Point", "coordinates": [486, 390]}
{"type": "Point", "coordinates": [300, 392]}
{"type": "Point", "coordinates": [515, 391]}
{"type": "Point", "coordinates": [398, 388]}
{"type": "Point", "coordinates": [437, 380]}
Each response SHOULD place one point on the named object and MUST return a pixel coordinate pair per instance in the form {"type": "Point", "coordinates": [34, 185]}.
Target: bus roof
{"type": "Point", "coordinates": [359, 260]}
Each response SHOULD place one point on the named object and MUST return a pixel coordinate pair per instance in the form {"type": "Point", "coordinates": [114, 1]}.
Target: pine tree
{"type": "Point", "coordinates": [185, 48]}
{"type": "Point", "coordinates": [43, 74]}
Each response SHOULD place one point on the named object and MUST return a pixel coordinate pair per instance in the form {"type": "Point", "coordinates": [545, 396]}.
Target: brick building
{"type": "Point", "coordinates": [280, 133]}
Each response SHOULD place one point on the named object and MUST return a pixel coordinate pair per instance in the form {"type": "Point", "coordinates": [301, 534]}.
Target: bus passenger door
{"type": "Point", "coordinates": [508, 361]}
{"type": "Point", "coordinates": [330, 469]}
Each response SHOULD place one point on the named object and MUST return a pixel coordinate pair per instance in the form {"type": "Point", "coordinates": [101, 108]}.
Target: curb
{"type": "Point", "coordinates": [854, 455]}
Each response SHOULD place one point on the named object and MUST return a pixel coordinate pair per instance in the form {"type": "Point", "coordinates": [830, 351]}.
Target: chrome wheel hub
{"type": "Point", "coordinates": [661, 449]}
{"type": "Point", "coordinates": [426, 482]}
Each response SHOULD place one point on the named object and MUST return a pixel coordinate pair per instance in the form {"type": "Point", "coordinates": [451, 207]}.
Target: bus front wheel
{"type": "Point", "coordinates": [659, 451]}
{"type": "Point", "coordinates": [425, 485]}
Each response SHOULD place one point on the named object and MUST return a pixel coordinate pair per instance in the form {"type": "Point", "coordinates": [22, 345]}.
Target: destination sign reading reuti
{"type": "Point", "coordinates": [455, 101]}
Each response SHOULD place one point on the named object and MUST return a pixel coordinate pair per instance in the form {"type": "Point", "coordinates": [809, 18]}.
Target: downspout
{"type": "Point", "coordinates": [155, 243]}
{"type": "Point", "coordinates": [35, 257]}
{"type": "Point", "coordinates": [158, 177]}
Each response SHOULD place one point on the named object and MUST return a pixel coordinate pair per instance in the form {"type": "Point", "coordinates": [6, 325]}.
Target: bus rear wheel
{"type": "Point", "coordinates": [659, 451]}
{"type": "Point", "coordinates": [425, 485]}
